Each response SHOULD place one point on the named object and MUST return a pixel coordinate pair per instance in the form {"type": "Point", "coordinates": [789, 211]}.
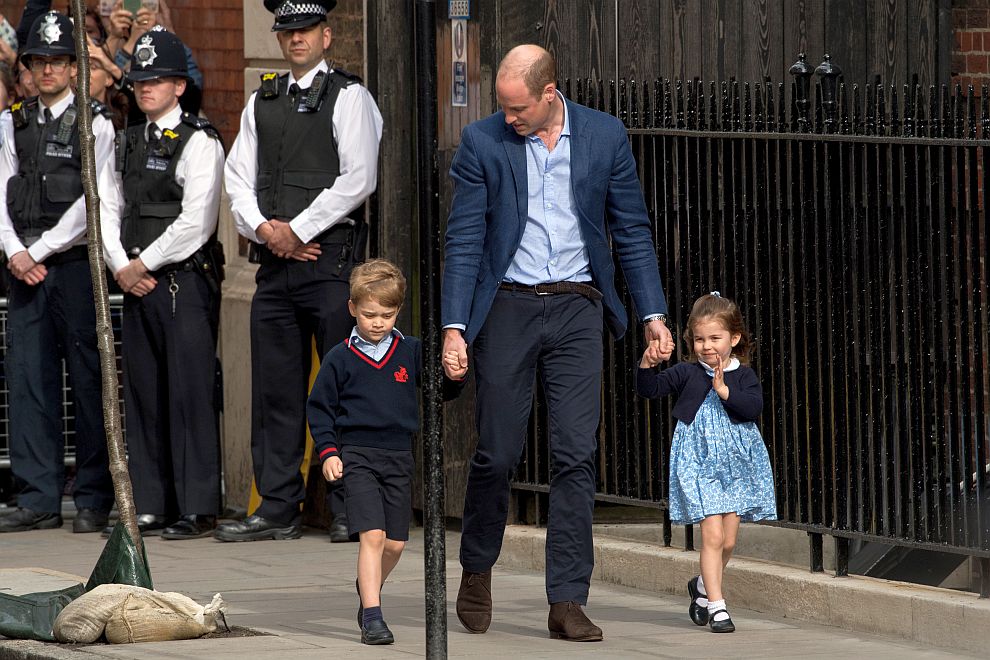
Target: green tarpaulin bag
{"type": "Point", "coordinates": [120, 562]}
{"type": "Point", "coordinates": [25, 612]}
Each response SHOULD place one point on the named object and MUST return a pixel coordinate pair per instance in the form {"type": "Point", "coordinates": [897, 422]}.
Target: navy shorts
{"type": "Point", "coordinates": [378, 490]}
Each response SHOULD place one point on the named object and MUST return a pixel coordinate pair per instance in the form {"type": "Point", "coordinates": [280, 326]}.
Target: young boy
{"type": "Point", "coordinates": [363, 411]}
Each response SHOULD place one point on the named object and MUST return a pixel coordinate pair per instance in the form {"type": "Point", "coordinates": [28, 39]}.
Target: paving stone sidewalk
{"type": "Point", "coordinates": [302, 593]}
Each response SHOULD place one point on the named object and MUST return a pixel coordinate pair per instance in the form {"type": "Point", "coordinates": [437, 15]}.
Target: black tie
{"type": "Point", "coordinates": [293, 89]}
{"type": "Point", "coordinates": [153, 133]}
{"type": "Point", "coordinates": [48, 116]}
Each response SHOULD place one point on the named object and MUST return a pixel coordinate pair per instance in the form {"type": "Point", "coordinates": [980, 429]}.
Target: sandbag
{"type": "Point", "coordinates": [138, 615]}
{"type": "Point", "coordinates": [158, 617]}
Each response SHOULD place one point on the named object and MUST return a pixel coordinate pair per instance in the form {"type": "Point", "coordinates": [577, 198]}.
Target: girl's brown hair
{"type": "Point", "coordinates": [726, 312]}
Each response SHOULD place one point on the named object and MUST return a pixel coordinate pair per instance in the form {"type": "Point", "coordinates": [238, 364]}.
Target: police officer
{"type": "Point", "coordinates": [51, 311]}
{"type": "Point", "coordinates": [305, 159]}
{"type": "Point", "coordinates": [161, 246]}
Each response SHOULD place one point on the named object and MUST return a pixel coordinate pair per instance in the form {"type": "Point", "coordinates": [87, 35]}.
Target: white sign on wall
{"type": "Point", "coordinates": [458, 59]}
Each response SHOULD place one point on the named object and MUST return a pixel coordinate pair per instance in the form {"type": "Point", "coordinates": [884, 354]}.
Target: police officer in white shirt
{"type": "Point", "coordinates": [161, 246]}
{"type": "Point", "coordinates": [51, 314]}
{"type": "Point", "coordinates": [304, 162]}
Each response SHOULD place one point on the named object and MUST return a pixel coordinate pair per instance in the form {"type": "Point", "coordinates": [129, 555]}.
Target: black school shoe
{"type": "Point", "coordinates": [723, 626]}
{"type": "Point", "coordinates": [698, 613]}
{"type": "Point", "coordinates": [376, 633]}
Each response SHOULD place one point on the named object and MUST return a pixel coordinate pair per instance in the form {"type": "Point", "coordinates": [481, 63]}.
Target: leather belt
{"type": "Point", "coordinates": [553, 288]}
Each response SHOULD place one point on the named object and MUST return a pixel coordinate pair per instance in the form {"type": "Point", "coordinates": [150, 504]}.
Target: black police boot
{"type": "Point", "coordinates": [89, 521]}
{"type": "Point", "coordinates": [147, 523]}
{"type": "Point", "coordinates": [24, 520]}
{"type": "Point", "coordinates": [190, 526]}
{"type": "Point", "coordinates": [338, 529]}
{"type": "Point", "coordinates": [256, 528]}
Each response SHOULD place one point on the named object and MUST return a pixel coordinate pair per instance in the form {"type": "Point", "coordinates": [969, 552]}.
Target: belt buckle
{"type": "Point", "coordinates": [536, 288]}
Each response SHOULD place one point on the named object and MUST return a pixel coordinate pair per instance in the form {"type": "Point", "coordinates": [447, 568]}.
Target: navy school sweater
{"type": "Point", "coordinates": [358, 401]}
{"type": "Point", "coordinates": [691, 383]}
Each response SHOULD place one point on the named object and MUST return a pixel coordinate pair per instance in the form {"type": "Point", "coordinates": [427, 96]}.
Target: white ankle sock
{"type": "Point", "coordinates": [715, 606]}
{"type": "Point", "coordinates": [701, 586]}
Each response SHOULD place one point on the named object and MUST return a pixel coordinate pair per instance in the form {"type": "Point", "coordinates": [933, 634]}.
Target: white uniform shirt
{"type": "Point", "coordinates": [199, 172]}
{"type": "Point", "coordinates": [70, 230]}
{"type": "Point", "coordinates": [357, 130]}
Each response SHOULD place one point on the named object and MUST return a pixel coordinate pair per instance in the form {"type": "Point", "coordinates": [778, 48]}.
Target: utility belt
{"type": "Point", "coordinates": [553, 288]}
{"type": "Point", "coordinates": [351, 238]}
{"type": "Point", "coordinates": [208, 261]}
{"type": "Point", "coordinates": [74, 253]}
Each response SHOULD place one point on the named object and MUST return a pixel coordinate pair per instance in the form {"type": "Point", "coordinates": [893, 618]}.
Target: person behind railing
{"type": "Point", "coordinates": [719, 468]}
{"type": "Point", "coordinates": [51, 310]}
{"type": "Point", "coordinates": [161, 247]}
{"type": "Point", "coordinates": [539, 188]}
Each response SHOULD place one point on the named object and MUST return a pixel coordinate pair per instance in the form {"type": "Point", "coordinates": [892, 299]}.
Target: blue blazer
{"type": "Point", "coordinates": [490, 206]}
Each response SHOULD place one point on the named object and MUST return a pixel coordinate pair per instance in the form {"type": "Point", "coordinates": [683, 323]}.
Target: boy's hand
{"type": "Point", "coordinates": [718, 380]}
{"type": "Point", "coordinates": [333, 468]}
{"type": "Point", "coordinates": [453, 366]}
{"type": "Point", "coordinates": [652, 356]}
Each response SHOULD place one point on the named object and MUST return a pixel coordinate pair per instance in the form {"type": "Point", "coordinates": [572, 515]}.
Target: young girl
{"type": "Point", "coordinates": [719, 468]}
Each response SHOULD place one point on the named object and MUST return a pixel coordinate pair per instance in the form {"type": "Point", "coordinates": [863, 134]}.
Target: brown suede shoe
{"type": "Point", "coordinates": [474, 601]}
{"type": "Point", "coordinates": [568, 621]}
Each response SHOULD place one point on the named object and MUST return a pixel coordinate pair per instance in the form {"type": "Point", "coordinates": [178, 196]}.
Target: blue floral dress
{"type": "Point", "coordinates": [717, 466]}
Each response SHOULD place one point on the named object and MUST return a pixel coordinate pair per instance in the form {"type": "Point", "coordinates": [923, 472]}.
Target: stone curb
{"type": "Point", "coordinates": [941, 618]}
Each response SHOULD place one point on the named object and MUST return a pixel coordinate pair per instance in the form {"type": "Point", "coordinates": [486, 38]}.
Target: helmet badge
{"type": "Point", "coordinates": [49, 31]}
{"type": "Point", "coordinates": [145, 53]}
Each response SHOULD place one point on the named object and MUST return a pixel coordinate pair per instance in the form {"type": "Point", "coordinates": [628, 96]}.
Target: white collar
{"type": "Point", "coordinates": [307, 78]}
{"type": "Point", "coordinates": [733, 365]}
{"type": "Point", "coordinates": [56, 109]}
{"type": "Point", "coordinates": [170, 119]}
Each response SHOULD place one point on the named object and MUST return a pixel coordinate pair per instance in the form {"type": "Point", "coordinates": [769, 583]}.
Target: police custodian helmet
{"type": "Point", "coordinates": [158, 54]}
{"type": "Point", "coordinates": [50, 36]}
{"type": "Point", "coordinates": [295, 14]}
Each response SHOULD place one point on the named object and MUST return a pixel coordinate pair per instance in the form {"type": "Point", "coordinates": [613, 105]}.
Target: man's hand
{"type": "Point", "coordinates": [455, 359]}
{"type": "Point", "coordinates": [36, 275]}
{"type": "Point", "coordinates": [658, 331]}
{"type": "Point", "coordinates": [652, 356]}
{"type": "Point", "coordinates": [134, 278]}
{"type": "Point", "coordinates": [21, 263]}
{"type": "Point", "coordinates": [333, 468]}
{"type": "Point", "coordinates": [283, 241]}
{"type": "Point", "coordinates": [306, 252]}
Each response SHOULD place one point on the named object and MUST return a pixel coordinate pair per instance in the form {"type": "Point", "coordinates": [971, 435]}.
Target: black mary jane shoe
{"type": "Point", "coordinates": [375, 633]}
{"type": "Point", "coordinates": [190, 526]}
{"type": "Point", "coordinates": [698, 613]}
{"type": "Point", "coordinates": [723, 626]}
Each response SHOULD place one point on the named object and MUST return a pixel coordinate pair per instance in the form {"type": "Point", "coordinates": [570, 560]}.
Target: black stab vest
{"type": "Point", "coordinates": [297, 157]}
{"type": "Point", "coordinates": [153, 200]}
{"type": "Point", "coordinates": [49, 176]}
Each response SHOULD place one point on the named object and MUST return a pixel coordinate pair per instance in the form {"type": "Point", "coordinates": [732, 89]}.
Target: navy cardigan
{"type": "Point", "coordinates": [692, 383]}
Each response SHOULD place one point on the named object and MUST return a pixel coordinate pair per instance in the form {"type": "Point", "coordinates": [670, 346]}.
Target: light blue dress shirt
{"type": "Point", "coordinates": [375, 351]}
{"type": "Point", "coordinates": [552, 248]}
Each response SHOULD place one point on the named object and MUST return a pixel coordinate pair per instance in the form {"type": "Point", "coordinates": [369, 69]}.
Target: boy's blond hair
{"type": "Point", "coordinates": [379, 280]}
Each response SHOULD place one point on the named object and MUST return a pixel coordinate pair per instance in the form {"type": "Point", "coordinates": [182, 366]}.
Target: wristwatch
{"type": "Point", "coordinates": [656, 317]}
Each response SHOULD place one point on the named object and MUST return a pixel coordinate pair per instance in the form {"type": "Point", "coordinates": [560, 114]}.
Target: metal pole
{"type": "Point", "coordinates": [434, 510]}
{"type": "Point", "coordinates": [123, 492]}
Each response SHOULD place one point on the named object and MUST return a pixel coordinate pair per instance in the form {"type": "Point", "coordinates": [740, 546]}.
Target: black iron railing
{"type": "Point", "coordinates": [848, 222]}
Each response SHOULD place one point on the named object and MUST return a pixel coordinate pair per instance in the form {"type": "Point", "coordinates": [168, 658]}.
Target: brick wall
{"type": "Point", "coordinates": [971, 43]}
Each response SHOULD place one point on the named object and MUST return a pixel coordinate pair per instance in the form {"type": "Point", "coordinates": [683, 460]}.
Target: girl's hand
{"type": "Point", "coordinates": [653, 355]}
{"type": "Point", "coordinates": [333, 468]}
{"type": "Point", "coordinates": [718, 381]}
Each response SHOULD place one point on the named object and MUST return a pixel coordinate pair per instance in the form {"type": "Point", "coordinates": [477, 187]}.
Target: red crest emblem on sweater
{"type": "Point", "coordinates": [401, 376]}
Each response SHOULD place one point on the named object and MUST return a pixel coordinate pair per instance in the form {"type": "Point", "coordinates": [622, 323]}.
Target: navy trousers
{"type": "Point", "coordinates": [561, 335]}
{"type": "Point", "coordinates": [46, 323]}
{"type": "Point", "coordinates": [294, 303]}
{"type": "Point", "coordinates": [169, 363]}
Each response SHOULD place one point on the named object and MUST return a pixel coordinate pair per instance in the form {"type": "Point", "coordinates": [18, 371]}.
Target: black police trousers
{"type": "Point", "coordinates": [169, 361]}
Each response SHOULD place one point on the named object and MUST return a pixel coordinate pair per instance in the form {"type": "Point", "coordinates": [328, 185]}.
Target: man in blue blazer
{"type": "Point", "coordinates": [541, 190]}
